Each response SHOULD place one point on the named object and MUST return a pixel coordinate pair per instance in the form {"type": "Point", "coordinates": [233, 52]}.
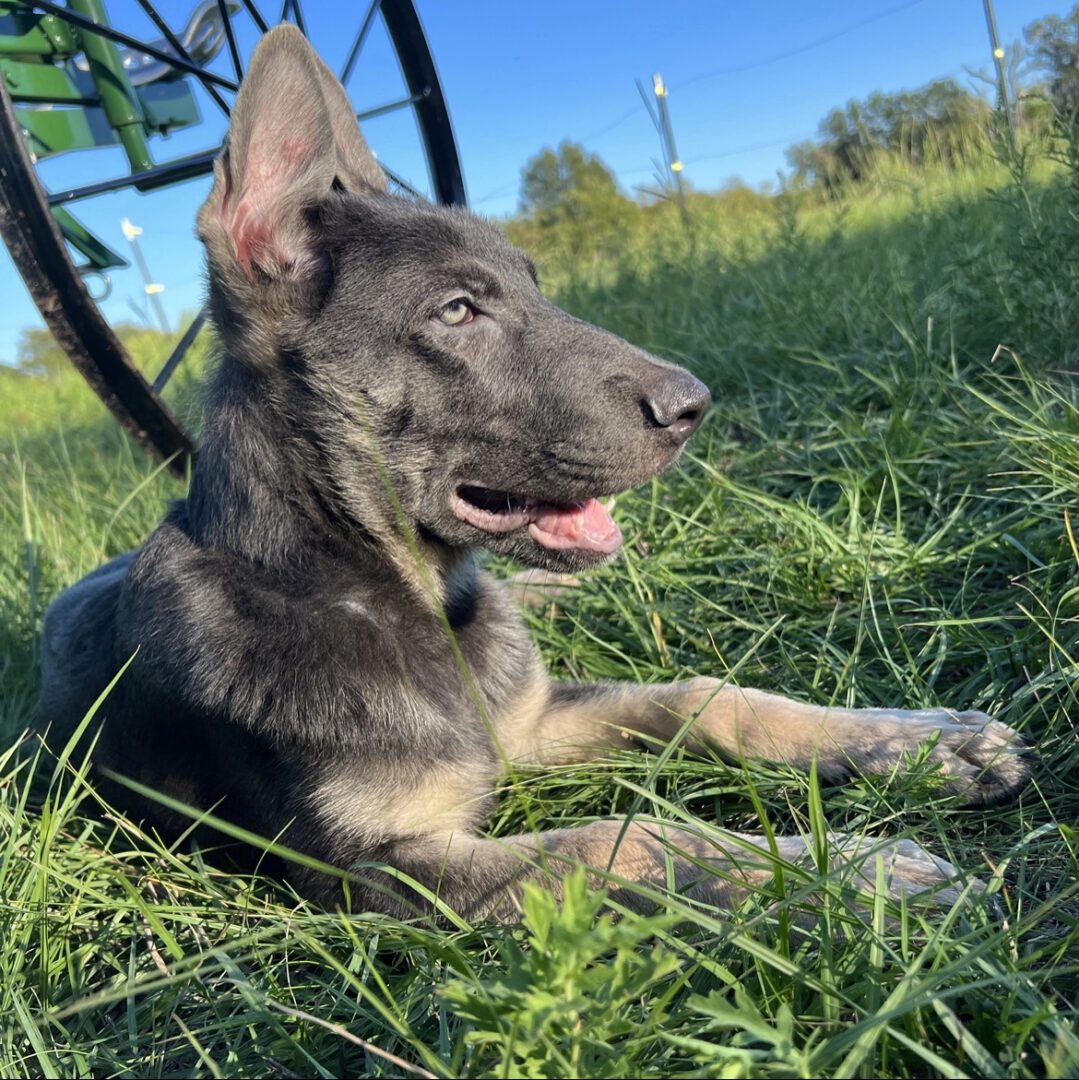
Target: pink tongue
{"type": "Point", "coordinates": [587, 527]}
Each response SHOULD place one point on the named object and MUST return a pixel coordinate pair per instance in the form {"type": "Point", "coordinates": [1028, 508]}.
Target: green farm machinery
{"type": "Point", "coordinates": [74, 79]}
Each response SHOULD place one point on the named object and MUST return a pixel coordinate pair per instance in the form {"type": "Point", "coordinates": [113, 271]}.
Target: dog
{"type": "Point", "coordinates": [315, 655]}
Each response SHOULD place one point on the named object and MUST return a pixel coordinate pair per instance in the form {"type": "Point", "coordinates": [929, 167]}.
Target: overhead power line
{"type": "Point", "coordinates": [775, 58]}
{"type": "Point", "coordinates": [738, 69]}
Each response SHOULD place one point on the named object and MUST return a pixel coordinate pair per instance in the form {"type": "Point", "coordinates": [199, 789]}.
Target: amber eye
{"type": "Point", "coordinates": [457, 313]}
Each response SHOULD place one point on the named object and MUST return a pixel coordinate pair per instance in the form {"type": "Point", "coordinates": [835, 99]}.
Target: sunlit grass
{"type": "Point", "coordinates": [875, 514]}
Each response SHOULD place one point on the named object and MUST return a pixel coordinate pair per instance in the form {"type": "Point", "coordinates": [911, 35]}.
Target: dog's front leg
{"type": "Point", "coordinates": [637, 861]}
{"type": "Point", "coordinates": [981, 757]}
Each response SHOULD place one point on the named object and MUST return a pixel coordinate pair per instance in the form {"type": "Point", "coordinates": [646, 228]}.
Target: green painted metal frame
{"type": "Point", "coordinates": [118, 98]}
{"type": "Point", "coordinates": [34, 63]}
{"type": "Point", "coordinates": [35, 53]}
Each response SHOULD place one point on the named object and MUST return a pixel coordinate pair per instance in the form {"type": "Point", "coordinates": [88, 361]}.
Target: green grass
{"type": "Point", "coordinates": [875, 514]}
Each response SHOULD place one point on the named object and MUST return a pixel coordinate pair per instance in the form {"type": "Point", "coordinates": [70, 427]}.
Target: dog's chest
{"type": "Point", "coordinates": [442, 706]}
{"type": "Point", "coordinates": [436, 680]}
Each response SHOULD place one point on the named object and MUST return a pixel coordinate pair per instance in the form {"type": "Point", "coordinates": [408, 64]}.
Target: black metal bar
{"type": "Point", "coordinates": [256, 16]}
{"type": "Point", "coordinates": [418, 67]}
{"type": "Point", "coordinates": [393, 106]}
{"type": "Point", "coordinates": [301, 22]}
{"type": "Point", "coordinates": [83, 23]}
{"type": "Point", "coordinates": [82, 103]}
{"type": "Point", "coordinates": [180, 351]}
{"type": "Point", "coordinates": [175, 42]}
{"type": "Point", "coordinates": [234, 52]}
{"type": "Point", "coordinates": [40, 254]}
{"type": "Point", "coordinates": [357, 45]}
{"type": "Point", "coordinates": [401, 182]}
{"type": "Point", "coordinates": [171, 172]}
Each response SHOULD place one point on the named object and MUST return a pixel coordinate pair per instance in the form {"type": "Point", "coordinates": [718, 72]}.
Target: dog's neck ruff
{"type": "Point", "coordinates": [261, 494]}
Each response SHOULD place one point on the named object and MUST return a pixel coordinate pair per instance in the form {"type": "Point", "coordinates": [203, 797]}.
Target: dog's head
{"type": "Point", "coordinates": [410, 344]}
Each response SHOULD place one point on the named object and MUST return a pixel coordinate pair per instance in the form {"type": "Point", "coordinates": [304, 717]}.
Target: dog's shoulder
{"type": "Point", "coordinates": [271, 647]}
{"type": "Point", "coordinates": [78, 655]}
{"type": "Point", "coordinates": [177, 583]}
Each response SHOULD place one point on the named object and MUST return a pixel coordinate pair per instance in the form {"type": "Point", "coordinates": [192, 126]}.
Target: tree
{"type": "Point", "coordinates": [573, 202]}
{"type": "Point", "coordinates": [38, 354]}
{"type": "Point", "coordinates": [1054, 49]}
{"type": "Point", "coordinates": [553, 182]}
{"type": "Point", "coordinates": [940, 121]}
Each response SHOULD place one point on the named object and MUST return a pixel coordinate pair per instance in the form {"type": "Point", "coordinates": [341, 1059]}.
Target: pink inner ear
{"type": "Point", "coordinates": [255, 223]}
{"type": "Point", "coordinates": [253, 240]}
{"type": "Point", "coordinates": [295, 152]}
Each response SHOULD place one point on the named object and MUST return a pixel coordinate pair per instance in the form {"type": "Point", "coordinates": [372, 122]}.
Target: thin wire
{"type": "Point", "coordinates": [739, 69]}
{"type": "Point", "coordinates": [735, 150]}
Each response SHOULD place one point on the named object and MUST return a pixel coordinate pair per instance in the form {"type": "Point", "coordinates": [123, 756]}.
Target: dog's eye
{"type": "Point", "coordinates": [457, 313]}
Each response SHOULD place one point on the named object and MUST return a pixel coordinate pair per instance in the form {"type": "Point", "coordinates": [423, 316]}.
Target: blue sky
{"type": "Point", "coordinates": [746, 80]}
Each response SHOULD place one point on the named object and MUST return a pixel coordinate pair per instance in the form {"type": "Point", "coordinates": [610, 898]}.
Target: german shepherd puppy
{"type": "Point", "coordinates": [317, 657]}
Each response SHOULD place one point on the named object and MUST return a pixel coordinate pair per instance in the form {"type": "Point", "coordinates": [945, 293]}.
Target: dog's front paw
{"type": "Point", "coordinates": [982, 759]}
{"type": "Point", "coordinates": [903, 869]}
{"type": "Point", "coordinates": [909, 870]}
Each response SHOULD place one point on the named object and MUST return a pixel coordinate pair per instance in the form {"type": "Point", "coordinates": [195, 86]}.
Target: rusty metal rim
{"type": "Point", "coordinates": [40, 254]}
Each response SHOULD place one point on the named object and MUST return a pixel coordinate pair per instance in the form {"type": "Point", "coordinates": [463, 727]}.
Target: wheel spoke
{"type": "Point", "coordinates": [357, 45]}
{"type": "Point", "coordinates": [297, 14]}
{"type": "Point", "coordinates": [400, 181]}
{"type": "Point", "coordinates": [175, 42]}
{"type": "Point", "coordinates": [182, 347]}
{"type": "Point", "coordinates": [256, 16]}
{"type": "Point", "coordinates": [37, 99]}
{"type": "Point", "coordinates": [392, 106]}
{"type": "Point", "coordinates": [301, 22]}
{"type": "Point", "coordinates": [171, 172]}
{"type": "Point", "coordinates": [73, 17]}
{"type": "Point", "coordinates": [234, 52]}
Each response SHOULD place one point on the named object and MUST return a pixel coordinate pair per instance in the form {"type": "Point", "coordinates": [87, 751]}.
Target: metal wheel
{"type": "Point", "coordinates": [75, 78]}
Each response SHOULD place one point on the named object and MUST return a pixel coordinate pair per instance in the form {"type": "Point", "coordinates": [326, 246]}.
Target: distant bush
{"type": "Point", "coordinates": [940, 123]}
{"type": "Point", "coordinates": [571, 205]}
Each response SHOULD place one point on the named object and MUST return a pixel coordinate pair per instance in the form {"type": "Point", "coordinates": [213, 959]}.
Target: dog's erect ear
{"type": "Point", "coordinates": [292, 134]}
{"type": "Point", "coordinates": [357, 168]}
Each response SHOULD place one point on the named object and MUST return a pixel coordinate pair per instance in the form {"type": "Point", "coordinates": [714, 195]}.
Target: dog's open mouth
{"type": "Point", "coordinates": [586, 525]}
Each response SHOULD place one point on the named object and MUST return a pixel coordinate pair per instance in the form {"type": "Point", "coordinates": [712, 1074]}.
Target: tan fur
{"type": "Point", "coordinates": [533, 588]}
{"type": "Point", "coordinates": [432, 802]}
{"type": "Point", "coordinates": [546, 723]}
{"type": "Point", "coordinates": [519, 727]}
{"type": "Point", "coordinates": [979, 755]}
{"type": "Point", "coordinates": [638, 861]}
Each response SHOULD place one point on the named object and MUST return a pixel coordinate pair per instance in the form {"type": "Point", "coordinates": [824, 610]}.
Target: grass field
{"type": "Point", "coordinates": [875, 514]}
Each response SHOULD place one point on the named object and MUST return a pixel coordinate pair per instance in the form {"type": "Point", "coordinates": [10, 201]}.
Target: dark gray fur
{"type": "Point", "coordinates": [291, 666]}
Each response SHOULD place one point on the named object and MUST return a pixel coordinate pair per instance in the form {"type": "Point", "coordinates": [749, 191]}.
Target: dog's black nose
{"type": "Point", "coordinates": [677, 403]}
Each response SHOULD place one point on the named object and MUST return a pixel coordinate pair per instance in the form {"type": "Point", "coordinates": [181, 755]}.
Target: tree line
{"type": "Point", "coordinates": [571, 194]}
{"type": "Point", "coordinates": [944, 122]}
